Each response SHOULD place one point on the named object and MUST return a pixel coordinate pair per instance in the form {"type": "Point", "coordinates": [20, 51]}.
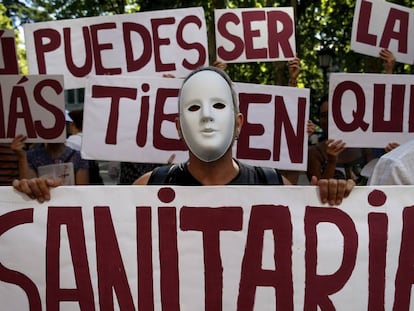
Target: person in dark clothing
{"type": "Point", "coordinates": [209, 122]}
{"type": "Point", "coordinates": [248, 175]}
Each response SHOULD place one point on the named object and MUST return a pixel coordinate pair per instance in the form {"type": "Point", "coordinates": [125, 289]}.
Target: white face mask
{"type": "Point", "coordinates": [207, 115]}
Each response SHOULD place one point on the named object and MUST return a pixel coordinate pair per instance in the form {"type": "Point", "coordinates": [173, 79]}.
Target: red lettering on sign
{"type": "Point", "coordinates": [9, 221]}
{"type": "Point", "coordinates": [237, 41]}
{"type": "Point", "coordinates": [396, 109]}
{"type": "Point", "coordinates": [248, 17]}
{"type": "Point", "coordinates": [99, 47]}
{"type": "Point", "coordinates": [281, 120]}
{"type": "Point", "coordinates": [156, 23]}
{"type": "Point", "coordinates": [294, 141]}
{"type": "Point", "coordinates": [396, 17]}
{"type": "Point", "coordinates": [363, 24]}
{"type": "Point", "coordinates": [210, 221]}
{"type": "Point", "coordinates": [131, 63]}
{"type": "Point", "coordinates": [86, 68]}
{"type": "Point", "coordinates": [278, 220]}
{"type": "Point", "coordinates": [382, 121]}
{"type": "Point", "coordinates": [20, 108]}
{"type": "Point", "coordinates": [250, 129]}
{"type": "Point", "coordinates": [320, 287]}
{"type": "Point", "coordinates": [150, 46]}
{"type": "Point", "coordinates": [71, 217]}
{"type": "Point", "coordinates": [161, 142]}
{"type": "Point", "coordinates": [8, 49]}
{"type": "Point", "coordinates": [378, 228]}
{"type": "Point", "coordinates": [170, 285]}
{"type": "Point", "coordinates": [19, 96]}
{"type": "Point", "coordinates": [411, 109]}
{"type": "Point", "coordinates": [358, 114]}
{"type": "Point", "coordinates": [45, 40]}
{"type": "Point", "coordinates": [142, 132]}
{"type": "Point", "coordinates": [279, 38]}
{"type": "Point", "coordinates": [144, 255]}
{"type": "Point", "coordinates": [59, 126]}
{"type": "Point", "coordinates": [279, 30]}
{"type": "Point", "coordinates": [111, 271]}
{"type": "Point", "coordinates": [191, 46]}
{"type": "Point", "coordinates": [404, 279]}
{"type": "Point", "coordinates": [2, 124]}
{"type": "Point", "coordinates": [115, 94]}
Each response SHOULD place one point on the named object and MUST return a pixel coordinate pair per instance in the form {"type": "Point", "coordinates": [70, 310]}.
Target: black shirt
{"type": "Point", "coordinates": [248, 175]}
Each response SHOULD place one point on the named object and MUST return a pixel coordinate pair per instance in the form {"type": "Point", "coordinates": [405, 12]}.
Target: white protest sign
{"type": "Point", "coordinates": [8, 54]}
{"type": "Point", "coordinates": [64, 171]}
{"type": "Point", "coordinates": [133, 119]}
{"type": "Point", "coordinates": [145, 43]}
{"type": "Point", "coordinates": [206, 248]}
{"type": "Point", "coordinates": [255, 34]}
{"type": "Point", "coordinates": [371, 110]}
{"type": "Point", "coordinates": [32, 105]}
{"type": "Point", "coordinates": [381, 24]}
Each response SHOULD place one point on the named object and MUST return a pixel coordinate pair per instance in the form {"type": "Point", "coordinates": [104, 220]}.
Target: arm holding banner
{"type": "Point", "coordinates": [331, 191]}
{"type": "Point", "coordinates": [37, 188]}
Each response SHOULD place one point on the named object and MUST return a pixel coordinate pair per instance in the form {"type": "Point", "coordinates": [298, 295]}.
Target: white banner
{"type": "Point", "coordinates": [206, 248]}
{"type": "Point", "coordinates": [371, 110]}
{"type": "Point", "coordinates": [381, 24]}
{"type": "Point", "coordinates": [133, 119]}
{"type": "Point", "coordinates": [145, 43]}
{"type": "Point", "coordinates": [255, 34]}
{"type": "Point", "coordinates": [33, 106]}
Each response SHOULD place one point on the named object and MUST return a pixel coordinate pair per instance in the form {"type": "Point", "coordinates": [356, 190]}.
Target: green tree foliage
{"type": "Point", "coordinates": [6, 23]}
{"type": "Point", "coordinates": [320, 23]}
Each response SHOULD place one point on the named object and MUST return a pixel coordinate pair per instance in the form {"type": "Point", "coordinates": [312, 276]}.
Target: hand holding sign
{"type": "Point", "coordinates": [389, 60]}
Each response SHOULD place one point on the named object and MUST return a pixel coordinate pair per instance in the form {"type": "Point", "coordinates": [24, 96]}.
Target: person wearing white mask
{"type": "Point", "coordinates": [209, 122]}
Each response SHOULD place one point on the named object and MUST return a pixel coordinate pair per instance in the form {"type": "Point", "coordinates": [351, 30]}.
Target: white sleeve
{"type": "Point", "coordinates": [389, 171]}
